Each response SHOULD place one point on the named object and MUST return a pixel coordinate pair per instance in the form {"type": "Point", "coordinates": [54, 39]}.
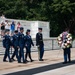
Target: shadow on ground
{"type": "Point", "coordinates": [42, 69]}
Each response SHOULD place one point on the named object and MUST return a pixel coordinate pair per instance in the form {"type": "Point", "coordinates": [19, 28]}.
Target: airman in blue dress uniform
{"type": "Point", "coordinates": [28, 44]}
{"type": "Point", "coordinates": [40, 44]}
{"type": "Point", "coordinates": [7, 45]}
{"type": "Point", "coordinates": [15, 38]}
{"type": "Point", "coordinates": [21, 44]}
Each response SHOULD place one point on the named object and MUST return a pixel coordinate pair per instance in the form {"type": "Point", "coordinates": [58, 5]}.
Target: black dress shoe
{"type": "Point", "coordinates": [19, 62]}
{"type": "Point", "coordinates": [13, 59]}
{"type": "Point", "coordinates": [25, 61]}
{"type": "Point", "coordinates": [64, 62]}
{"type": "Point", "coordinates": [32, 60]}
{"type": "Point", "coordinates": [10, 60]}
{"type": "Point", "coordinates": [5, 61]}
{"type": "Point", "coordinates": [40, 59]}
{"type": "Point", "coordinates": [69, 61]}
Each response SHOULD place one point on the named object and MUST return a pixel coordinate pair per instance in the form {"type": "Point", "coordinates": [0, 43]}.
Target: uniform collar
{"type": "Point", "coordinates": [7, 34]}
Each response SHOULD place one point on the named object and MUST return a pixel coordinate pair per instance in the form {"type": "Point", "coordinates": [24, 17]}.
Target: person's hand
{"type": "Point", "coordinates": [38, 46]}
{"type": "Point", "coordinates": [17, 46]}
{"type": "Point", "coordinates": [3, 47]}
{"type": "Point", "coordinates": [26, 45]}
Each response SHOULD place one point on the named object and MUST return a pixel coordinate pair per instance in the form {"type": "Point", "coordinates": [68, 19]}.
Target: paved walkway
{"type": "Point", "coordinates": [69, 70]}
{"type": "Point", "coordinates": [52, 65]}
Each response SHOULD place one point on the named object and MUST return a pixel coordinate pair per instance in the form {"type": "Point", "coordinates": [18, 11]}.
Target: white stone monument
{"type": "Point", "coordinates": [33, 26]}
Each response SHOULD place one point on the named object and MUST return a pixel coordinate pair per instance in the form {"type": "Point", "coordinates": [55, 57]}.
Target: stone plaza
{"type": "Point", "coordinates": [52, 65]}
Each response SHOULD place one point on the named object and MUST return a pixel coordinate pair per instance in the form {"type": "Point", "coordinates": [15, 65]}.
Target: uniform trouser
{"type": "Point", "coordinates": [67, 54]}
{"type": "Point", "coordinates": [40, 52]}
{"type": "Point", "coordinates": [21, 53]}
{"type": "Point", "coordinates": [7, 54]}
{"type": "Point", "coordinates": [28, 53]}
{"type": "Point", "coordinates": [15, 54]}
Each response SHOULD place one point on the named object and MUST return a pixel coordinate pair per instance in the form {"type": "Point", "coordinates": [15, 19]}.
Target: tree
{"type": "Point", "coordinates": [64, 14]}
{"type": "Point", "coordinates": [60, 13]}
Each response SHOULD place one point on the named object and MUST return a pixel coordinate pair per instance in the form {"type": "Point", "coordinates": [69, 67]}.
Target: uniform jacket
{"type": "Point", "coordinates": [29, 41]}
{"type": "Point", "coordinates": [39, 39]}
{"type": "Point", "coordinates": [21, 40]}
{"type": "Point", "coordinates": [15, 40]}
{"type": "Point", "coordinates": [6, 41]}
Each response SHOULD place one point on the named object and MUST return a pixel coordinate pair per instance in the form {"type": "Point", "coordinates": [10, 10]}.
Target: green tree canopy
{"type": "Point", "coordinates": [60, 13]}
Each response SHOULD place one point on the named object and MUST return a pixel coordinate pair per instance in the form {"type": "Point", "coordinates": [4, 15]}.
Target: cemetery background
{"type": "Point", "coordinates": [50, 42]}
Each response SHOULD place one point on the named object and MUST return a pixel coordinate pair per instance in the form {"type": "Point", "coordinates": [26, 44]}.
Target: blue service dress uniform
{"type": "Point", "coordinates": [15, 41]}
{"type": "Point", "coordinates": [21, 46]}
{"type": "Point", "coordinates": [28, 44]}
{"type": "Point", "coordinates": [6, 45]}
{"type": "Point", "coordinates": [40, 45]}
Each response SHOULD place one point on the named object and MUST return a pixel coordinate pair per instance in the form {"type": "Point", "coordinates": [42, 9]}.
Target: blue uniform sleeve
{"type": "Point", "coordinates": [25, 39]}
{"type": "Point", "coordinates": [18, 40]}
{"type": "Point", "coordinates": [11, 40]}
{"type": "Point", "coordinates": [4, 40]}
{"type": "Point", "coordinates": [19, 36]}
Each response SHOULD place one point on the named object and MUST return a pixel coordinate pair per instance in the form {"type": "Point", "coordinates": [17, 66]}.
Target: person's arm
{"type": "Point", "coordinates": [42, 39]}
{"type": "Point", "coordinates": [9, 24]}
{"type": "Point", "coordinates": [37, 40]}
{"type": "Point", "coordinates": [4, 40]}
{"type": "Point", "coordinates": [18, 42]}
{"type": "Point", "coordinates": [12, 40]}
{"type": "Point", "coordinates": [25, 41]}
{"type": "Point", "coordinates": [0, 25]}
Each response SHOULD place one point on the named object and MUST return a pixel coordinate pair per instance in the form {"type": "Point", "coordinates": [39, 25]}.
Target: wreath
{"type": "Point", "coordinates": [65, 43]}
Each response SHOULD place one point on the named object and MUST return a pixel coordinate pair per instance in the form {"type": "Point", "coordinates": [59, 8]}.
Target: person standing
{"type": "Point", "coordinates": [21, 44]}
{"type": "Point", "coordinates": [2, 28]}
{"type": "Point", "coordinates": [40, 44]}
{"type": "Point", "coordinates": [65, 39]}
{"type": "Point", "coordinates": [12, 28]}
{"type": "Point", "coordinates": [15, 42]}
{"type": "Point", "coordinates": [18, 26]}
{"type": "Point", "coordinates": [28, 44]}
{"type": "Point", "coordinates": [6, 45]}
{"type": "Point", "coordinates": [3, 16]}
{"type": "Point", "coordinates": [7, 25]}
